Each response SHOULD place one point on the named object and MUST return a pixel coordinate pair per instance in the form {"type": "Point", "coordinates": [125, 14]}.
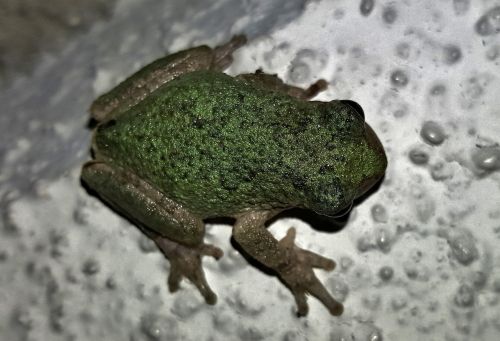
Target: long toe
{"type": "Point", "coordinates": [174, 278]}
{"type": "Point", "coordinates": [317, 289]}
{"type": "Point", "coordinates": [212, 251]}
{"type": "Point", "coordinates": [318, 261]}
{"type": "Point", "coordinates": [199, 280]}
{"type": "Point", "coordinates": [301, 300]}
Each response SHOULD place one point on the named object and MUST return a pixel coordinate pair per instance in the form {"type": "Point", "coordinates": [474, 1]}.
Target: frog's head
{"type": "Point", "coordinates": [355, 162]}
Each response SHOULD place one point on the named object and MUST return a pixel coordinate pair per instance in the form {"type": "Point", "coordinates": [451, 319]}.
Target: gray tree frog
{"type": "Point", "coordinates": [179, 142]}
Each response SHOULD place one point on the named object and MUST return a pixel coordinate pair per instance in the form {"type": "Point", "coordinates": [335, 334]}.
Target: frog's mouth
{"type": "Point", "coordinates": [343, 211]}
{"type": "Point", "coordinates": [375, 144]}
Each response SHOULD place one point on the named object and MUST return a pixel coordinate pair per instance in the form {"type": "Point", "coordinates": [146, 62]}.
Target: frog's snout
{"type": "Point", "coordinates": [374, 142]}
{"type": "Point", "coordinates": [377, 170]}
{"type": "Point", "coordinates": [354, 106]}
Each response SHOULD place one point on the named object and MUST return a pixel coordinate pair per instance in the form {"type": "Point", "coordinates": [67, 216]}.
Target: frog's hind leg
{"type": "Point", "coordinates": [293, 264]}
{"type": "Point", "coordinates": [138, 86]}
{"type": "Point", "coordinates": [274, 83]}
{"type": "Point", "coordinates": [177, 232]}
{"type": "Point", "coordinates": [186, 262]}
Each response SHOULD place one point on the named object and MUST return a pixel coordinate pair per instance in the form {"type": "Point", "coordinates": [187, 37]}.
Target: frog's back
{"type": "Point", "coordinates": [217, 144]}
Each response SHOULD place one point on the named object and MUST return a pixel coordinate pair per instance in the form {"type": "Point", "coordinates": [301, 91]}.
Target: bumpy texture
{"type": "Point", "coordinates": [219, 145]}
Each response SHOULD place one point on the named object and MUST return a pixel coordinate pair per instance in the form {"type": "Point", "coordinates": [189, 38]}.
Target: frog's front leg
{"type": "Point", "coordinates": [274, 83]}
{"type": "Point", "coordinates": [177, 232]}
{"type": "Point", "coordinates": [142, 83]}
{"type": "Point", "coordinates": [293, 264]}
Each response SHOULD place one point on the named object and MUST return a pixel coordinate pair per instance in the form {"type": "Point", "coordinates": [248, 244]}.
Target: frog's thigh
{"type": "Point", "coordinates": [274, 83]}
{"type": "Point", "coordinates": [293, 264]}
{"type": "Point", "coordinates": [251, 234]}
{"type": "Point", "coordinates": [142, 203]}
{"type": "Point", "coordinates": [138, 86]}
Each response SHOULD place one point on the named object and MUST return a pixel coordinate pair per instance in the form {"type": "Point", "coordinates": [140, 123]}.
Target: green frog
{"type": "Point", "coordinates": [180, 142]}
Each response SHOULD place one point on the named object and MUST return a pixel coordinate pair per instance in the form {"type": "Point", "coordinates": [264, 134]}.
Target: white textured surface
{"type": "Point", "coordinates": [417, 260]}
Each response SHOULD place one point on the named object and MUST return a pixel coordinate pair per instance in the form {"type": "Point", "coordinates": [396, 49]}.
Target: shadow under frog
{"type": "Point", "coordinates": [179, 143]}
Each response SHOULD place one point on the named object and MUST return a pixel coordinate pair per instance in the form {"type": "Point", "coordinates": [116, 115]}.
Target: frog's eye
{"type": "Point", "coordinates": [343, 211]}
{"type": "Point", "coordinates": [354, 106]}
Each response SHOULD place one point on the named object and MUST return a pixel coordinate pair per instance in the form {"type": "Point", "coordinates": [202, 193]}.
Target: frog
{"type": "Point", "coordinates": [180, 142]}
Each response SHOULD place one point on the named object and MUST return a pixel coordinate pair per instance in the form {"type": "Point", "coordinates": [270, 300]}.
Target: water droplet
{"type": "Point", "coordinates": [346, 263]}
{"type": "Point", "coordinates": [58, 242]}
{"type": "Point", "coordinates": [379, 213]}
{"type": "Point", "coordinates": [389, 14]}
{"type": "Point", "coordinates": [493, 52]}
{"type": "Point", "coordinates": [479, 279]}
{"type": "Point", "coordinates": [463, 247]}
{"type": "Point", "coordinates": [464, 296]}
{"type": "Point", "coordinates": [364, 244]}
{"type": "Point", "coordinates": [338, 13]}
{"type": "Point", "coordinates": [411, 271]}
{"type": "Point", "coordinates": [366, 7]}
{"type": "Point", "coordinates": [393, 104]}
{"type": "Point", "coordinates": [487, 158]}
{"type": "Point", "coordinates": [372, 301]}
{"type": "Point", "coordinates": [337, 334]}
{"type": "Point", "coordinates": [418, 156]}
{"type": "Point", "coordinates": [306, 63]}
{"type": "Point", "coordinates": [398, 303]}
{"type": "Point", "coordinates": [81, 215]}
{"type": "Point", "coordinates": [246, 305]}
{"type": "Point", "coordinates": [489, 23]}
{"type": "Point", "coordinates": [425, 209]}
{"type": "Point", "coordinates": [147, 245]}
{"type": "Point", "coordinates": [250, 333]}
{"type": "Point", "coordinates": [232, 261]}
{"type": "Point", "coordinates": [292, 336]}
{"type": "Point", "coordinates": [375, 336]}
{"type": "Point", "coordinates": [3, 256]}
{"type": "Point", "coordinates": [416, 255]}
{"type": "Point", "coordinates": [385, 273]}
{"type": "Point", "coordinates": [399, 78]}
{"type": "Point", "coordinates": [384, 240]}
{"type": "Point", "coordinates": [461, 6]}
{"type": "Point", "coordinates": [416, 272]}
{"type": "Point", "coordinates": [338, 288]}
{"type": "Point", "coordinates": [155, 327]}
{"type": "Point", "coordinates": [90, 267]}
{"type": "Point", "coordinates": [186, 306]}
{"type": "Point", "coordinates": [432, 133]}
{"type": "Point", "coordinates": [403, 50]}
{"type": "Point", "coordinates": [111, 283]}
{"type": "Point", "coordinates": [299, 72]}
{"type": "Point", "coordinates": [23, 317]}
{"type": "Point", "coordinates": [438, 90]}
{"type": "Point", "coordinates": [452, 54]}
{"type": "Point", "coordinates": [496, 285]}
{"type": "Point", "coordinates": [224, 322]}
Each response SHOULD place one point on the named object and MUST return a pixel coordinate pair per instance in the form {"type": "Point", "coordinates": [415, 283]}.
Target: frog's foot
{"type": "Point", "coordinates": [185, 261]}
{"type": "Point", "coordinates": [298, 275]}
{"type": "Point", "coordinates": [223, 53]}
{"type": "Point", "coordinates": [313, 89]}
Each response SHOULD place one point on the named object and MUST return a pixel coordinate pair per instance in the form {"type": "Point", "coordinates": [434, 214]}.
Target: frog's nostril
{"type": "Point", "coordinates": [107, 124]}
{"type": "Point", "coordinates": [357, 108]}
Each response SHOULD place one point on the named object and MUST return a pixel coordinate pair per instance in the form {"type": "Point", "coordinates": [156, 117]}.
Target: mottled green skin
{"type": "Point", "coordinates": [220, 145]}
